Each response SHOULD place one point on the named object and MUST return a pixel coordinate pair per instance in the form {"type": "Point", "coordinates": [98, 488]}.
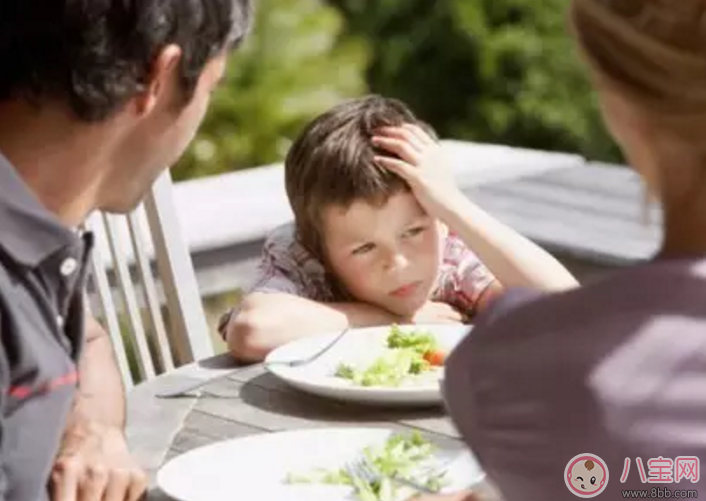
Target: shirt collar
{"type": "Point", "coordinates": [29, 232]}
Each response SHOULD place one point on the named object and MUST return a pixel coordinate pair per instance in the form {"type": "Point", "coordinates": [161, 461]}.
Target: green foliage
{"type": "Point", "coordinates": [535, 91]}
{"type": "Point", "coordinates": [500, 71]}
{"type": "Point", "coordinates": [293, 66]}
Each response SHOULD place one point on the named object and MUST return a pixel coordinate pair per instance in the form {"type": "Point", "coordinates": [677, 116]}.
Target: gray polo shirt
{"type": "Point", "coordinates": [42, 269]}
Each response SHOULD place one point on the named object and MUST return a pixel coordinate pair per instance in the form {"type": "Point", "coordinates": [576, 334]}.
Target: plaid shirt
{"type": "Point", "coordinates": [287, 267]}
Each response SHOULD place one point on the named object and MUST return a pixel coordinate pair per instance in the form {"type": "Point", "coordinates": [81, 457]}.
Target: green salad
{"type": "Point", "coordinates": [401, 456]}
{"type": "Point", "coordinates": [406, 354]}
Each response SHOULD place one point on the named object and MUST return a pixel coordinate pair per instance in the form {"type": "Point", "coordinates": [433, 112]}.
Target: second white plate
{"type": "Point", "coordinates": [256, 467]}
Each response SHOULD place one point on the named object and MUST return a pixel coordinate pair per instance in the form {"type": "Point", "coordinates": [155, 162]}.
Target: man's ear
{"type": "Point", "coordinates": [162, 80]}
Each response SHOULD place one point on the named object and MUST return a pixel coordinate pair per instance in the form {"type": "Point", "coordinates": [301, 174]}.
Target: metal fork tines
{"type": "Point", "coordinates": [311, 358]}
{"type": "Point", "coordinates": [191, 386]}
{"type": "Point", "coordinates": [365, 470]}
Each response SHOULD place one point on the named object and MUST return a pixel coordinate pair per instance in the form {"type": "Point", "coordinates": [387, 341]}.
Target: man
{"type": "Point", "coordinates": [96, 99]}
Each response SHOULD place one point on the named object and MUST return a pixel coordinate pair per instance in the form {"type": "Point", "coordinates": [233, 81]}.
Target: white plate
{"type": "Point", "coordinates": [359, 346]}
{"type": "Point", "coordinates": [256, 467]}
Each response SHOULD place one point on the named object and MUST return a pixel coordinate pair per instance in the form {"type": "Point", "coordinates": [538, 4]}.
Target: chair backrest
{"type": "Point", "coordinates": [143, 288]}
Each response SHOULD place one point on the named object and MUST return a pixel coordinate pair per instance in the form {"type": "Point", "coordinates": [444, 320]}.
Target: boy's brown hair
{"type": "Point", "coordinates": [331, 163]}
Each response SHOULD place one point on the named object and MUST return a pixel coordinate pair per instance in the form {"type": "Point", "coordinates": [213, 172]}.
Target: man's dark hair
{"type": "Point", "coordinates": [97, 54]}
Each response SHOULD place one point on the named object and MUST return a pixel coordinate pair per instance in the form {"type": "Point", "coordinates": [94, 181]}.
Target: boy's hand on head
{"type": "Point", "coordinates": [438, 313]}
{"type": "Point", "coordinates": [420, 161]}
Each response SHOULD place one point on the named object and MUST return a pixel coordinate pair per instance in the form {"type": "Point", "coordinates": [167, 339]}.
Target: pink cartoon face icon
{"type": "Point", "coordinates": [586, 475]}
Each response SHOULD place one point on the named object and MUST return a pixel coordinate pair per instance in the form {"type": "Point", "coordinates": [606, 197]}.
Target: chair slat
{"type": "Point", "coordinates": [144, 358]}
{"type": "Point", "coordinates": [146, 339]}
{"type": "Point", "coordinates": [153, 305]}
{"type": "Point", "coordinates": [99, 278]}
{"type": "Point", "coordinates": [188, 328]}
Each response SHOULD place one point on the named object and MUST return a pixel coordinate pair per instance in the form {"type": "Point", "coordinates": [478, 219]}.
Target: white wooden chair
{"type": "Point", "coordinates": [154, 314]}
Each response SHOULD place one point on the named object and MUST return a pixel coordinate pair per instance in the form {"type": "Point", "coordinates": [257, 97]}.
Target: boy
{"type": "Point", "coordinates": [369, 246]}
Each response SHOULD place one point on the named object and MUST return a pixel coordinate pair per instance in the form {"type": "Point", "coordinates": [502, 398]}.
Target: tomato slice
{"type": "Point", "coordinates": [436, 357]}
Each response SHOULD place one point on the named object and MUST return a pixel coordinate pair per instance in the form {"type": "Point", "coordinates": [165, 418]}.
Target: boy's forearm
{"type": "Point", "coordinates": [268, 320]}
{"type": "Point", "coordinates": [512, 258]}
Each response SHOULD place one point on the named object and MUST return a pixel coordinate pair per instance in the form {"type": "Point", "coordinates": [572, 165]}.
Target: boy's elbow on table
{"type": "Point", "coordinates": [248, 332]}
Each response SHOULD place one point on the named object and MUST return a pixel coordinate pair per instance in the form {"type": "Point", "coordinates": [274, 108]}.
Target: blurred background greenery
{"type": "Point", "coordinates": [497, 71]}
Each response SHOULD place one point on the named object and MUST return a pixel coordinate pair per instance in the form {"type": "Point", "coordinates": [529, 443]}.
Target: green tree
{"type": "Point", "coordinates": [293, 66]}
{"type": "Point", "coordinates": [422, 56]}
{"type": "Point", "coordinates": [503, 71]}
{"type": "Point", "coordinates": [535, 91]}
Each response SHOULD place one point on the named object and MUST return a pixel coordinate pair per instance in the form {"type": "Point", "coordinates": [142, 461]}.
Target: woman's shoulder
{"type": "Point", "coordinates": [622, 345]}
{"type": "Point", "coordinates": [650, 287]}
{"type": "Point", "coordinates": [635, 310]}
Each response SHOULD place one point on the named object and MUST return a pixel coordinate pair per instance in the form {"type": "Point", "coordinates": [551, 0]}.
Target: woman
{"type": "Point", "coordinates": [616, 369]}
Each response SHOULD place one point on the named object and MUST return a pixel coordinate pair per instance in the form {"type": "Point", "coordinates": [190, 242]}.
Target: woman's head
{"type": "Point", "coordinates": [648, 59]}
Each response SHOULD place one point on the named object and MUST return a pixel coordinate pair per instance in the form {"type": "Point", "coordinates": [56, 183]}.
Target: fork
{"type": "Point", "coordinates": [195, 385]}
{"type": "Point", "coordinates": [364, 469]}
{"type": "Point", "coordinates": [307, 360]}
